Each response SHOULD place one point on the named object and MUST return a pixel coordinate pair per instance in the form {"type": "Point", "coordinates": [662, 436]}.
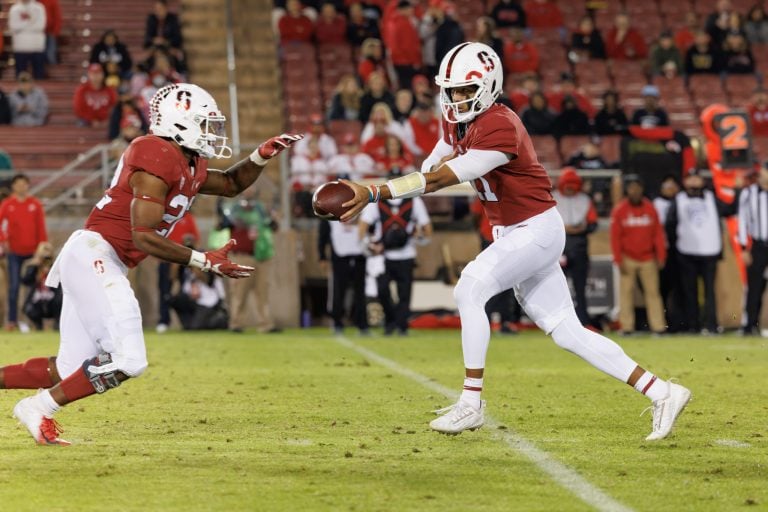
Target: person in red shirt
{"type": "Point", "coordinates": [567, 87]}
{"type": "Point", "coordinates": [685, 36]}
{"type": "Point", "coordinates": [330, 27]}
{"type": "Point", "coordinates": [156, 181]}
{"type": "Point", "coordinates": [93, 99]}
{"type": "Point", "coordinates": [639, 250]}
{"type": "Point", "coordinates": [294, 26]}
{"type": "Point", "coordinates": [543, 14]}
{"type": "Point", "coordinates": [624, 42]}
{"type": "Point", "coordinates": [371, 59]}
{"type": "Point", "coordinates": [22, 228]}
{"type": "Point", "coordinates": [53, 23]}
{"type": "Point", "coordinates": [485, 143]}
{"type": "Point", "coordinates": [520, 56]}
{"type": "Point", "coordinates": [425, 126]}
{"type": "Point", "coordinates": [404, 43]}
{"type": "Point", "coordinates": [758, 113]}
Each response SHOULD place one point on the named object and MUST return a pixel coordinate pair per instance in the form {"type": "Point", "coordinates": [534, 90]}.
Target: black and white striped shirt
{"type": "Point", "coordinates": [753, 214]}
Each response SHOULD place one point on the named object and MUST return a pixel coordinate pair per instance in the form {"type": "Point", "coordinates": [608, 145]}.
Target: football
{"type": "Point", "coordinates": [328, 198]}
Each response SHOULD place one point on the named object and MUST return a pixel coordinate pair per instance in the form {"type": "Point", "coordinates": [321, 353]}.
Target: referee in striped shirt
{"type": "Point", "coordinates": [753, 225]}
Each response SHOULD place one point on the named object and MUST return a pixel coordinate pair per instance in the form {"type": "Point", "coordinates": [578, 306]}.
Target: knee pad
{"type": "Point", "coordinates": [476, 285]}
{"type": "Point", "coordinates": [101, 372]}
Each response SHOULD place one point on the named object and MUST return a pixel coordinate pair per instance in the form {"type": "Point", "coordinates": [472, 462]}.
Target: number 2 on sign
{"type": "Point", "coordinates": [483, 189]}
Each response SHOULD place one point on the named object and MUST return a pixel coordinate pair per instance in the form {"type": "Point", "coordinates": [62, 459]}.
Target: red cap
{"type": "Point", "coordinates": [569, 176]}
{"type": "Point", "coordinates": [419, 79]}
{"type": "Point", "coordinates": [316, 118]}
{"type": "Point", "coordinates": [95, 67]}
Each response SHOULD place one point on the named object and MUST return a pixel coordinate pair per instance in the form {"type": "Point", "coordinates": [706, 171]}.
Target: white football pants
{"type": "Point", "coordinates": [100, 312]}
{"type": "Point", "coordinates": [525, 257]}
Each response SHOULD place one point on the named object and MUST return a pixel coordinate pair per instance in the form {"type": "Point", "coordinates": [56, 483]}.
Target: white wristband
{"type": "Point", "coordinates": [258, 159]}
{"type": "Point", "coordinates": [410, 185]}
{"type": "Point", "coordinates": [197, 259]}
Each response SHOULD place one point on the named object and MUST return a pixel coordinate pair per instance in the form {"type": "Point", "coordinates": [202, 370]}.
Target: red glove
{"type": "Point", "coordinates": [272, 147]}
{"type": "Point", "coordinates": [218, 263]}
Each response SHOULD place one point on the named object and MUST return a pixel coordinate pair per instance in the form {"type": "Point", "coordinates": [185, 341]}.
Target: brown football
{"type": "Point", "coordinates": [328, 198]}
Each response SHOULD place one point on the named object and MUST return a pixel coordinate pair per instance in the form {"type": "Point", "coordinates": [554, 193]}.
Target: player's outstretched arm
{"type": "Point", "coordinates": [410, 185]}
{"type": "Point", "coordinates": [240, 176]}
{"type": "Point", "coordinates": [147, 210]}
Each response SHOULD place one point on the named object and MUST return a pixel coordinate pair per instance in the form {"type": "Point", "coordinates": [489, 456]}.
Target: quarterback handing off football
{"type": "Point", "coordinates": [328, 198]}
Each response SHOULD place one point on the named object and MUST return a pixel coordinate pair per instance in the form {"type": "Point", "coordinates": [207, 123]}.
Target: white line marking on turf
{"type": "Point", "coordinates": [564, 476]}
{"type": "Point", "coordinates": [732, 443]}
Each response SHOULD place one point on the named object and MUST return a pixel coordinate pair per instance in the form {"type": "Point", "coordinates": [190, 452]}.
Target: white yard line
{"type": "Point", "coordinates": [564, 476]}
{"type": "Point", "coordinates": [732, 443]}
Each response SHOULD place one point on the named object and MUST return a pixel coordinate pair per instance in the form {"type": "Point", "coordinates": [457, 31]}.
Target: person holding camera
{"type": "Point", "coordinates": [42, 302]}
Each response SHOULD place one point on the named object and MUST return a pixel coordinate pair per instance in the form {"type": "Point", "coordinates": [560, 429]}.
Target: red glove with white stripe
{"type": "Point", "coordinates": [272, 147]}
{"type": "Point", "coordinates": [218, 263]}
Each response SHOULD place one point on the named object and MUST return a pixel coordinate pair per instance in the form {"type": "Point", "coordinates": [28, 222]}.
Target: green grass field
{"type": "Point", "coordinates": [303, 421]}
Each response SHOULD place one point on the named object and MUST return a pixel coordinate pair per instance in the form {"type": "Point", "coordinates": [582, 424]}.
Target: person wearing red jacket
{"type": "Point", "coordinates": [542, 14]}
{"type": "Point", "coordinates": [294, 26]}
{"type": "Point", "coordinates": [22, 228]}
{"type": "Point", "coordinates": [94, 100]}
{"type": "Point", "coordinates": [624, 42]}
{"type": "Point", "coordinates": [639, 250]}
{"type": "Point", "coordinates": [520, 56]}
{"type": "Point", "coordinates": [758, 113]}
{"type": "Point", "coordinates": [52, 29]}
{"type": "Point", "coordinates": [402, 39]}
{"type": "Point", "coordinates": [425, 126]}
{"type": "Point", "coordinates": [330, 27]}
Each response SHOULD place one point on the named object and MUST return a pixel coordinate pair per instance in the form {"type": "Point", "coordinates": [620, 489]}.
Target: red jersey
{"type": "Point", "coordinates": [517, 190]}
{"type": "Point", "coordinates": [22, 224]}
{"type": "Point", "coordinates": [111, 217]}
{"type": "Point", "coordinates": [636, 232]}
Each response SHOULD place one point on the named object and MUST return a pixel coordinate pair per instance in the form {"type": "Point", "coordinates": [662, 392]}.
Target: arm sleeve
{"type": "Point", "coordinates": [440, 150]}
{"type": "Point", "coordinates": [476, 162]}
{"type": "Point", "coordinates": [744, 218]}
{"type": "Point", "coordinates": [420, 213]}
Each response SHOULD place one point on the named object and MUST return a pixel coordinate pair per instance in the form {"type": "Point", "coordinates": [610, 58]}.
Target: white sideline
{"type": "Point", "coordinates": [564, 476]}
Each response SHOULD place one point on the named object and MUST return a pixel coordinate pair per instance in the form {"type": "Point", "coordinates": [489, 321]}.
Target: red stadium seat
{"type": "Point", "coordinates": [546, 149]}
{"type": "Point", "coordinates": [338, 127]}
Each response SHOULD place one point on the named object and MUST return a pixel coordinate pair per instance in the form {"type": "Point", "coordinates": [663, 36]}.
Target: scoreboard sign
{"type": "Point", "coordinates": [735, 139]}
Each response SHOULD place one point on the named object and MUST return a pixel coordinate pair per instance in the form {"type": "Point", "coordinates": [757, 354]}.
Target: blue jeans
{"type": "Point", "coordinates": [15, 261]}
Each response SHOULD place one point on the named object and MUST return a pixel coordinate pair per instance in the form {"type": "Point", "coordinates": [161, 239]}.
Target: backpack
{"type": "Point", "coordinates": [394, 226]}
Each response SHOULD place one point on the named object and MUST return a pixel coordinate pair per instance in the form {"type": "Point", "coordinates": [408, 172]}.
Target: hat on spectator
{"type": "Point", "coordinates": [348, 139]}
{"type": "Point", "coordinates": [95, 67]}
{"type": "Point", "coordinates": [402, 4]}
{"type": "Point", "coordinates": [650, 90]}
{"type": "Point", "coordinates": [316, 118]}
{"type": "Point", "coordinates": [632, 178]}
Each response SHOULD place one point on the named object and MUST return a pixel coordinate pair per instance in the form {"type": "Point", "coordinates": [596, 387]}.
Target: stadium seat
{"type": "Point", "coordinates": [571, 144]}
{"type": "Point", "coordinates": [546, 150]}
{"type": "Point", "coordinates": [337, 128]}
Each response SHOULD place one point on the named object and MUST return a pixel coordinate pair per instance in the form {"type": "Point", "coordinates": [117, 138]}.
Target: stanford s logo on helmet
{"type": "Point", "coordinates": [189, 115]}
{"type": "Point", "coordinates": [469, 64]}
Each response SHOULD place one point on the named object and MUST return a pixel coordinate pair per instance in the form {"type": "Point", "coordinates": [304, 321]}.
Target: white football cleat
{"type": "Point", "coordinates": [459, 417]}
{"type": "Point", "coordinates": [44, 429]}
{"type": "Point", "coordinates": [666, 411]}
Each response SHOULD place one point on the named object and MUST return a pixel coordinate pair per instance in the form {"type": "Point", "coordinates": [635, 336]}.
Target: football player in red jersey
{"type": "Point", "coordinates": [486, 144]}
{"type": "Point", "coordinates": [155, 183]}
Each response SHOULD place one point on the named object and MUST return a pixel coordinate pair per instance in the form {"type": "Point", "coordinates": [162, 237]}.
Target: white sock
{"type": "Point", "coordinates": [471, 393]}
{"type": "Point", "coordinates": [47, 403]}
{"type": "Point", "coordinates": [652, 387]}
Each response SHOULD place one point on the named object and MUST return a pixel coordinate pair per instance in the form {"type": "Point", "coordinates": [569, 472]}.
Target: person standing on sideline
{"type": "Point", "coordinates": [348, 265]}
{"type": "Point", "coordinates": [22, 228]}
{"type": "Point", "coordinates": [184, 233]}
{"type": "Point", "coordinates": [638, 246]}
{"type": "Point", "coordinates": [156, 182]}
{"type": "Point", "coordinates": [580, 217]}
{"type": "Point", "coordinates": [398, 223]}
{"type": "Point", "coordinates": [669, 276]}
{"type": "Point", "coordinates": [251, 227]}
{"type": "Point", "coordinates": [694, 228]}
{"type": "Point", "coordinates": [753, 237]}
{"type": "Point", "coordinates": [485, 143]}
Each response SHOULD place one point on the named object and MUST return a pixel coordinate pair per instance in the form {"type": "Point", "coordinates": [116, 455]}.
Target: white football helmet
{"type": "Point", "coordinates": [469, 64]}
{"type": "Point", "coordinates": [189, 115]}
